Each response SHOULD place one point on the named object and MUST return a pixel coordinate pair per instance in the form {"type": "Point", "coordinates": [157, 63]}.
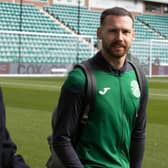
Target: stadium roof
{"type": "Point", "coordinates": [159, 1]}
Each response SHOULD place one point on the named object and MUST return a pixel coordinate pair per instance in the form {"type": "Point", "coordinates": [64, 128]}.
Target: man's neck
{"type": "Point", "coordinates": [114, 61]}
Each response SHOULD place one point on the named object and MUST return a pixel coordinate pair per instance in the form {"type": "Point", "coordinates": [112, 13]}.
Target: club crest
{"type": "Point", "coordinates": [135, 88]}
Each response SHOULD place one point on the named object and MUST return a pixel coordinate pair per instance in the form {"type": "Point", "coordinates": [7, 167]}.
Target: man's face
{"type": "Point", "coordinates": [116, 34]}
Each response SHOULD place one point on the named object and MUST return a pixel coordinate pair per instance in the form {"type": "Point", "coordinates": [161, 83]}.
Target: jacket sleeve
{"type": "Point", "coordinates": [68, 112]}
{"type": "Point", "coordinates": [19, 162]}
{"type": "Point", "coordinates": [138, 135]}
{"type": "Point", "coordinates": [8, 156]}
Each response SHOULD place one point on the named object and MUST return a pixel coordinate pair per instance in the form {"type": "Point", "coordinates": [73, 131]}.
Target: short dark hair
{"type": "Point", "coordinates": [116, 11]}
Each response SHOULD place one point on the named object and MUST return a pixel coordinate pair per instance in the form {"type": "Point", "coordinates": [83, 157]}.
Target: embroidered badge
{"type": "Point", "coordinates": [135, 88]}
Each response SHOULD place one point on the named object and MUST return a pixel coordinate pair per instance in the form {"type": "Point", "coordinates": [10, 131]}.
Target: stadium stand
{"type": "Point", "coordinates": [25, 17]}
{"type": "Point", "coordinates": [33, 35]}
{"type": "Point", "coordinates": [143, 32]}
{"type": "Point", "coordinates": [33, 45]}
{"type": "Point", "coordinates": [69, 16]}
{"type": "Point", "coordinates": [156, 22]}
{"type": "Point", "coordinates": [89, 21]}
{"type": "Point", "coordinates": [151, 36]}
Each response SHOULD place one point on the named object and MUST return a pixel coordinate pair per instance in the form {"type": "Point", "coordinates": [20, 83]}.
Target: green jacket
{"type": "Point", "coordinates": [113, 127]}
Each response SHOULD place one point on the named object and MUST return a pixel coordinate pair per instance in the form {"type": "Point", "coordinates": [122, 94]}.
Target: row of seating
{"type": "Point", "coordinates": [156, 22]}
{"type": "Point", "coordinates": [26, 18]}
{"type": "Point", "coordinates": [62, 48]}
{"type": "Point", "coordinates": [154, 49]}
{"type": "Point", "coordinates": [42, 46]}
{"type": "Point", "coordinates": [9, 5]}
{"type": "Point", "coordinates": [89, 21]}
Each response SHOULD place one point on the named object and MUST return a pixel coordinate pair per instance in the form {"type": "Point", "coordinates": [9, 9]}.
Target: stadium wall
{"type": "Point", "coordinates": [91, 4]}
{"type": "Point", "coordinates": [34, 2]}
{"type": "Point", "coordinates": [135, 7]}
{"type": "Point", "coordinates": [71, 2]}
{"type": "Point", "coordinates": [7, 69]}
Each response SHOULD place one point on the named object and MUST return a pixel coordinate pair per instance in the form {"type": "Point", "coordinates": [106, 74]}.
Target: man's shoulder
{"type": "Point", "coordinates": [75, 77]}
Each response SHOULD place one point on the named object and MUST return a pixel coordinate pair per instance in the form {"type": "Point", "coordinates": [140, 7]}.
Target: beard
{"type": "Point", "coordinates": [115, 49]}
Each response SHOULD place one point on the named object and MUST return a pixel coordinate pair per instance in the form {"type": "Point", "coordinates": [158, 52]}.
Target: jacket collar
{"type": "Point", "coordinates": [104, 65]}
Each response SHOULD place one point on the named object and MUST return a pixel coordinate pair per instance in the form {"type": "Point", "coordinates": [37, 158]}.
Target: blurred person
{"type": "Point", "coordinates": [8, 156]}
{"type": "Point", "coordinates": [114, 135]}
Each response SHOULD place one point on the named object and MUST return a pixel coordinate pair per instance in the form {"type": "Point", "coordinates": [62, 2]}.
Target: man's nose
{"type": "Point", "coordinates": [119, 36]}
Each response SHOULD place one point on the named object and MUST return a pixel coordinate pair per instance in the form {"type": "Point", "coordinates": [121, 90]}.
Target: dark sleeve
{"type": "Point", "coordinates": [138, 135]}
{"type": "Point", "coordinates": [19, 162]}
{"type": "Point", "coordinates": [68, 112]}
{"type": "Point", "coordinates": [8, 155]}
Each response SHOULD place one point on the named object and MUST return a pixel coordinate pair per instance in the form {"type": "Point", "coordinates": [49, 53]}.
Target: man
{"type": "Point", "coordinates": [114, 135]}
{"type": "Point", "coordinates": [8, 157]}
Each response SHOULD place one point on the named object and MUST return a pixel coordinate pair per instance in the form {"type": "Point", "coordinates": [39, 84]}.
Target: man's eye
{"type": "Point", "coordinates": [112, 30]}
{"type": "Point", "coordinates": [126, 32]}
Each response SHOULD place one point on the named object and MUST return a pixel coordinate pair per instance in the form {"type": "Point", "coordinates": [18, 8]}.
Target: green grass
{"type": "Point", "coordinates": [157, 124]}
{"type": "Point", "coordinates": [30, 101]}
{"type": "Point", "coordinates": [29, 104]}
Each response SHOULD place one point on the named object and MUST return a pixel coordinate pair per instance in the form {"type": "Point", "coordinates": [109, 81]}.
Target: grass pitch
{"type": "Point", "coordinates": [30, 101]}
{"type": "Point", "coordinates": [157, 114]}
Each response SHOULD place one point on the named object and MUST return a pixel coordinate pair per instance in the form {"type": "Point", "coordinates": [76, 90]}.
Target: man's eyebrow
{"type": "Point", "coordinates": [123, 29]}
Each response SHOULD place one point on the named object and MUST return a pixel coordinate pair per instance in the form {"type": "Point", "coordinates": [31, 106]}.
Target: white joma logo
{"type": "Point", "coordinates": [104, 91]}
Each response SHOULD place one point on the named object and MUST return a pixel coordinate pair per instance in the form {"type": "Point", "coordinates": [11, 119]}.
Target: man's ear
{"type": "Point", "coordinates": [99, 33]}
